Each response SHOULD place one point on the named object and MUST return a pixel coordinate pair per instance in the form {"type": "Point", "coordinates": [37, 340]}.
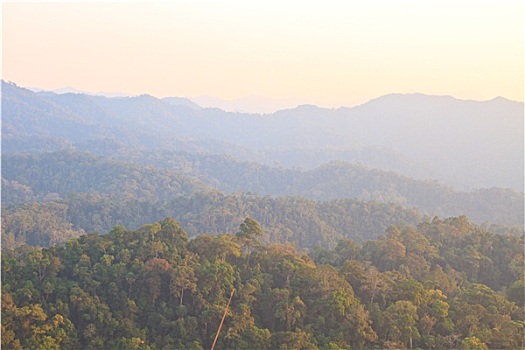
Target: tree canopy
{"type": "Point", "coordinates": [451, 285]}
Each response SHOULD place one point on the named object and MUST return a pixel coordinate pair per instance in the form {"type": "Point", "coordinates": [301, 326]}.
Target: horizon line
{"type": "Point", "coordinates": [108, 94]}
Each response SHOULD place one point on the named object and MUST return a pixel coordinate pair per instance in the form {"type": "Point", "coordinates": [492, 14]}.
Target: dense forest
{"type": "Point", "coordinates": [443, 284]}
{"type": "Point", "coordinates": [51, 197]}
{"type": "Point", "coordinates": [142, 223]}
{"type": "Point", "coordinates": [289, 219]}
{"type": "Point", "coordinates": [48, 198]}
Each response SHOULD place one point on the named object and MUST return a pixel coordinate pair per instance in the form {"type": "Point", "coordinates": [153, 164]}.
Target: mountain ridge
{"type": "Point", "coordinates": [191, 101]}
{"type": "Point", "coordinates": [445, 136]}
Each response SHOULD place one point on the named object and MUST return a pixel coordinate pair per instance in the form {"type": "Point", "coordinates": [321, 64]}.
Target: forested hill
{"type": "Point", "coordinates": [60, 174]}
{"type": "Point", "coordinates": [300, 221]}
{"type": "Point", "coordinates": [465, 144]}
{"type": "Point", "coordinates": [445, 284]}
{"type": "Point", "coordinates": [57, 175]}
{"type": "Point", "coordinates": [321, 225]}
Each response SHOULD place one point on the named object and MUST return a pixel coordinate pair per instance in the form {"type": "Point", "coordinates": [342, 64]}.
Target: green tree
{"type": "Point", "coordinates": [402, 317]}
{"type": "Point", "coordinates": [248, 234]}
{"type": "Point", "coordinates": [472, 343]}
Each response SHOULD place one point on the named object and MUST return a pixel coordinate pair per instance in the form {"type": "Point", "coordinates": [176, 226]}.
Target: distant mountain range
{"type": "Point", "coordinates": [465, 144]}
{"type": "Point", "coordinates": [75, 163]}
{"type": "Point", "coordinates": [247, 104]}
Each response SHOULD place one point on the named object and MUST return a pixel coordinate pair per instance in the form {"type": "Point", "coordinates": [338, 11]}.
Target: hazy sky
{"type": "Point", "coordinates": [323, 52]}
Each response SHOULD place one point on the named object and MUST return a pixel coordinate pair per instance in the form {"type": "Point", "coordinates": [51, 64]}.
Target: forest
{"type": "Point", "coordinates": [443, 284]}
{"type": "Point", "coordinates": [414, 135]}
{"type": "Point", "coordinates": [50, 197]}
{"type": "Point", "coordinates": [142, 223]}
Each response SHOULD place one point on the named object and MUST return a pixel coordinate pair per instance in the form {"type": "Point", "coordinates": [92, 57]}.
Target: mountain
{"type": "Point", "coordinates": [62, 174]}
{"type": "Point", "coordinates": [451, 136]}
{"type": "Point", "coordinates": [72, 90]}
{"type": "Point", "coordinates": [247, 104]}
{"type": "Point", "coordinates": [319, 224]}
{"type": "Point", "coordinates": [163, 176]}
{"type": "Point", "coordinates": [340, 180]}
{"type": "Point", "coordinates": [465, 144]}
{"type": "Point", "coordinates": [181, 101]}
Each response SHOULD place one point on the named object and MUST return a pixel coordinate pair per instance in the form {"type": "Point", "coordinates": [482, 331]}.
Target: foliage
{"type": "Point", "coordinates": [154, 288]}
{"type": "Point", "coordinates": [165, 175]}
{"type": "Point", "coordinates": [291, 219]}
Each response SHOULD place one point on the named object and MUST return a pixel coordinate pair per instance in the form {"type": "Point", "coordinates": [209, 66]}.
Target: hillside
{"type": "Point", "coordinates": [163, 176]}
{"type": "Point", "coordinates": [153, 288]}
{"type": "Point", "coordinates": [322, 227]}
{"type": "Point", "coordinates": [227, 175]}
{"type": "Point", "coordinates": [431, 137]}
{"type": "Point", "coordinates": [66, 173]}
{"type": "Point", "coordinates": [300, 221]}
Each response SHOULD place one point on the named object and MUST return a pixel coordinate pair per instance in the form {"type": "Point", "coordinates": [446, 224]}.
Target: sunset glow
{"type": "Point", "coordinates": [328, 53]}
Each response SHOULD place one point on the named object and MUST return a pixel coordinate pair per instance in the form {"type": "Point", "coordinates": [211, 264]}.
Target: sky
{"type": "Point", "coordinates": [329, 53]}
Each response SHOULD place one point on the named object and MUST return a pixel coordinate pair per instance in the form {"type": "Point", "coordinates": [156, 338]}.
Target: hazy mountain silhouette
{"type": "Point", "coordinates": [466, 144]}
{"type": "Point", "coordinates": [181, 101]}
